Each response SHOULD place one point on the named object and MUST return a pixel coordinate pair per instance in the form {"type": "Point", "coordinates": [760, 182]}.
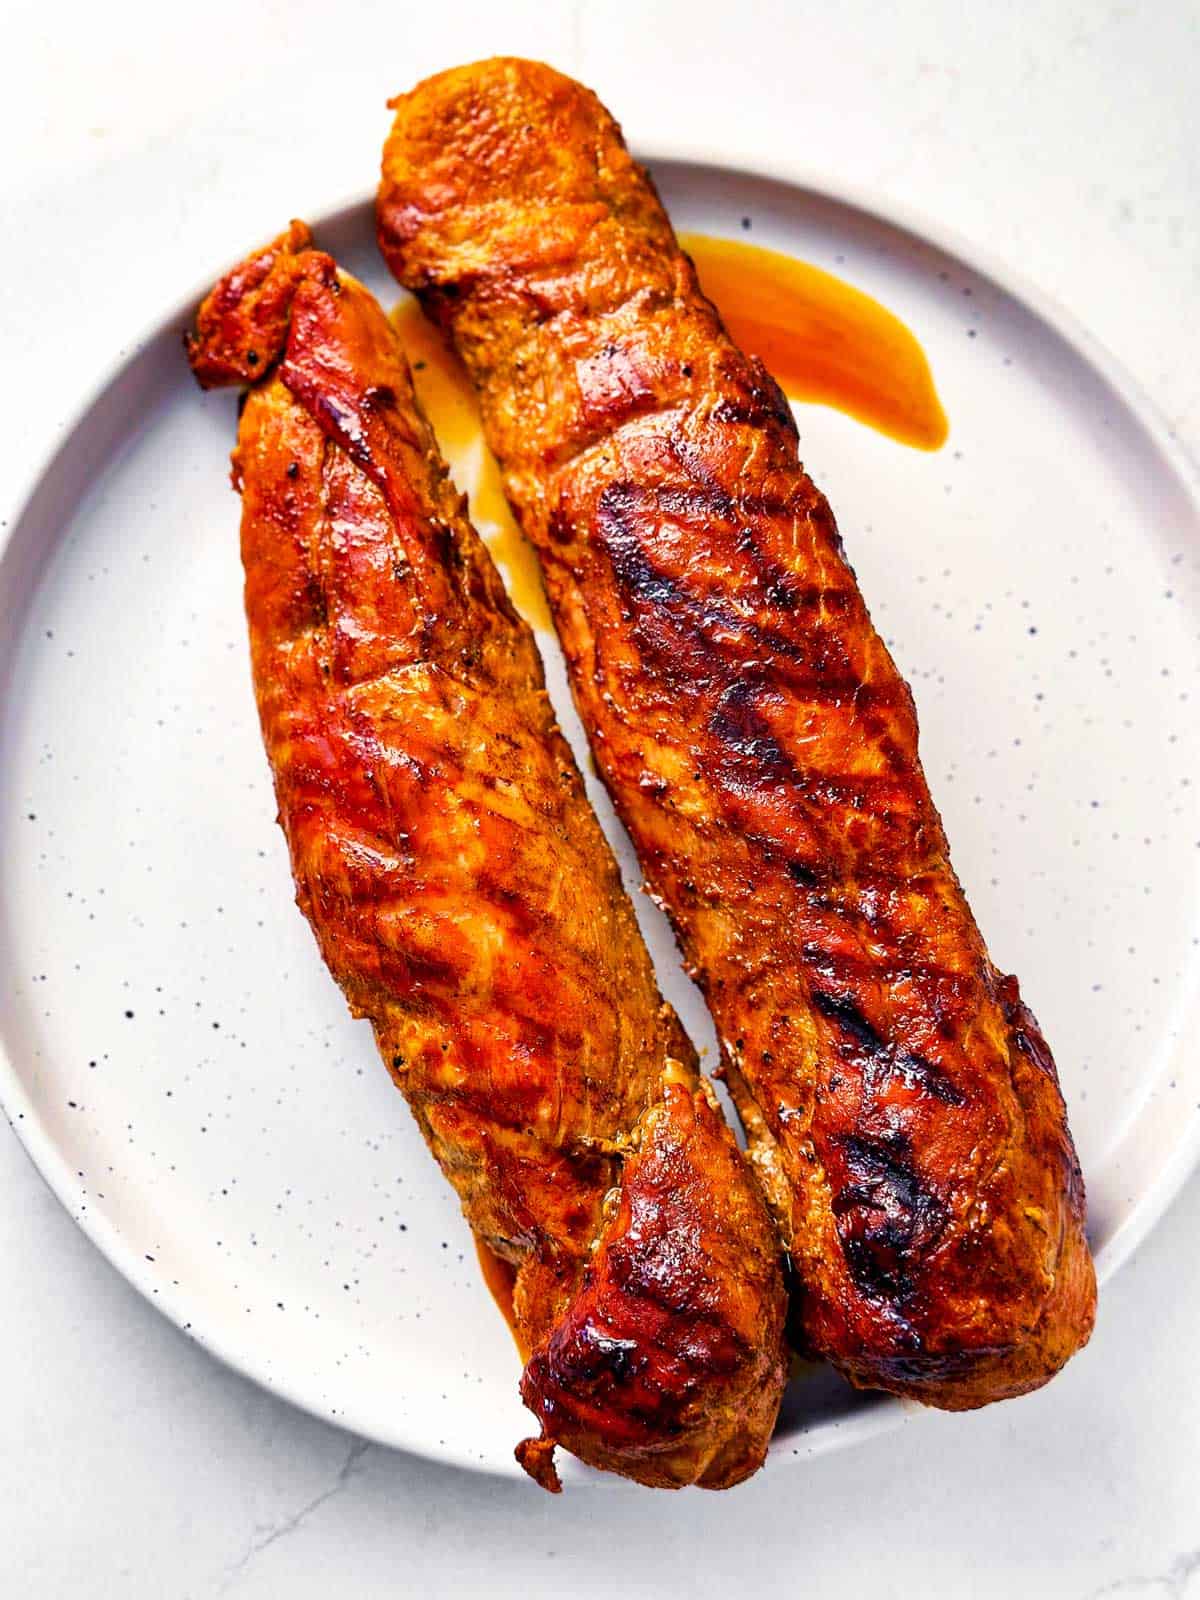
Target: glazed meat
{"type": "Point", "coordinates": [464, 898]}
{"type": "Point", "coordinates": [903, 1108]}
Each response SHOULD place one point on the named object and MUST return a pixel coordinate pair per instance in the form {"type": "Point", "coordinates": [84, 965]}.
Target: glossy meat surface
{"type": "Point", "coordinates": [464, 898]}
{"type": "Point", "coordinates": [903, 1108]}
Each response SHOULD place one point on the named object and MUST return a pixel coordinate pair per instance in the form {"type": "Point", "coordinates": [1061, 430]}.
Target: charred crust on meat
{"type": "Point", "coordinates": [887, 1218]}
{"type": "Point", "coordinates": [865, 1041]}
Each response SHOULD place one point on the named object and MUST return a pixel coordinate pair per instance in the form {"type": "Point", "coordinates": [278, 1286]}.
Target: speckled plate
{"type": "Point", "coordinates": [185, 1074]}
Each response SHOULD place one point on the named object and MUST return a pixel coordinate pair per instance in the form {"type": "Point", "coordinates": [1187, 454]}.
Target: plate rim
{"type": "Point", "coordinates": [881, 1412]}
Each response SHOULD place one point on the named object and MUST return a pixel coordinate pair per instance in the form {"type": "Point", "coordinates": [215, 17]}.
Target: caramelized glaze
{"type": "Point", "coordinates": [464, 897]}
{"type": "Point", "coordinates": [758, 742]}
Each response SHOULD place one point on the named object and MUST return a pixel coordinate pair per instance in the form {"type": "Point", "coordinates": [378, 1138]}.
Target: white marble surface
{"type": "Point", "coordinates": [146, 144]}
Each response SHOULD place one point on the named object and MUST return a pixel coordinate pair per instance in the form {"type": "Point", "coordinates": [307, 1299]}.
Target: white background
{"type": "Point", "coordinates": [144, 146]}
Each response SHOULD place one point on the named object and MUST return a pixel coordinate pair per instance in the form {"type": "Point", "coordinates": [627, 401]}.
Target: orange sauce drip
{"type": "Point", "coordinates": [821, 339]}
{"type": "Point", "coordinates": [448, 400]}
{"type": "Point", "coordinates": [501, 1277]}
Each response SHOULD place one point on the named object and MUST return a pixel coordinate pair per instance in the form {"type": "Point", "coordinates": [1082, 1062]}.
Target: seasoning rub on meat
{"type": "Point", "coordinates": [761, 747]}
{"type": "Point", "coordinates": [464, 898]}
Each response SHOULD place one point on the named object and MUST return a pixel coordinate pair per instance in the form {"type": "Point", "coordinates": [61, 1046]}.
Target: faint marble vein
{"type": "Point", "coordinates": [1173, 1582]}
{"type": "Point", "coordinates": [280, 1530]}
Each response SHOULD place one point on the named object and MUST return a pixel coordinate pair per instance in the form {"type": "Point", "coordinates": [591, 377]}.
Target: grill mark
{"type": "Point", "coordinates": [760, 759]}
{"type": "Point", "coordinates": [737, 722]}
{"type": "Point", "coordinates": [751, 413]}
{"type": "Point", "coordinates": [781, 587]}
{"type": "Point", "coordinates": [785, 594]}
{"type": "Point", "coordinates": [707, 501]}
{"type": "Point", "coordinates": [704, 500]}
{"type": "Point", "coordinates": [850, 967]}
{"type": "Point", "coordinates": [641, 580]}
{"type": "Point", "coordinates": [883, 1055]}
{"type": "Point", "coordinates": [702, 495]}
{"type": "Point", "coordinates": [644, 1280]}
{"type": "Point", "coordinates": [757, 759]}
{"type": "Point", "coordinates": [616, 512]}
{"type": "Point", "coordinates": [691, 462]}
{"type": "Point", "coordinates": [761, 406]}
{"type": "Point", "coordinates": [843, 1011]}
{"type": "Point", "coordinates": [826, 682]}
{"type": "Point", "coordinates": [802, 874]}
{"type": "Point", "coordinates": [816, 917]}
{"type": "Point", "coordinates": [582, 1361]}
{"type": "Point", "coordinates": [887, 1218]}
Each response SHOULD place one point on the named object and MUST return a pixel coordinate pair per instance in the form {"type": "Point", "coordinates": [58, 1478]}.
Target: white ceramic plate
{"type": "Point", "coordinates": [184, 1072]}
